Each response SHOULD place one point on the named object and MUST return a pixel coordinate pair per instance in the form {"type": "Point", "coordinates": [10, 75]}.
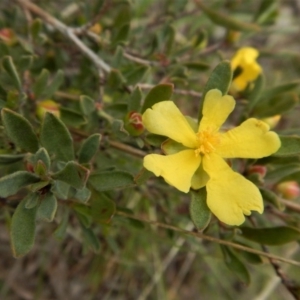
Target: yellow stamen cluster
{"type": "Point", "coordinates": [207, 142]}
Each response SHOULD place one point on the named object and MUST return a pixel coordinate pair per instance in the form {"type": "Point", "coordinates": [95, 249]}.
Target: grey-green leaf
{"type": "Point", "coordinates": [220, 79]}
{"type": "Point", "coordinates": [110, 180]}
{"type": "Point", "coordinates": [290, 146]}
{"type": "Point", "coordinates": [10, 68]}
{"type": "Point", "coordinates": [73, 174]}
{"type": "Point", "coordinates": [274, 236]}
{"type": "Point", "coordinates": [10, 184]}
{"type": "Point", "coordinates": [87, 105]}
{"type": "Point", "coordinates": [56, 138]}
{"type": "Point", "coordinates": [89, 148]}
{"type": "Point", "coordinates": [47, 208]}
{"type": "Point", "coordinates": [199, 211]}
{"type": "Point", "coordinates": [157, 94]}
{"type": "Point", "coordinates": [19, 130]}
{"type": "Point", "coordinates": [22, 230]}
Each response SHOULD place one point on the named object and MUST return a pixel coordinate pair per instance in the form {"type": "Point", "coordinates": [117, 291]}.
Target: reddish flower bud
{"type": "Point", "coordinates": [47, 106]}
{"type": "Point", "coordinates": [289, 189]}
{"type": "Point", "coordinates": [258, 169]}
{"type": "Point", "coordinates": [133, 123]}
{"type": "Point", "coordinates": [8, 36]}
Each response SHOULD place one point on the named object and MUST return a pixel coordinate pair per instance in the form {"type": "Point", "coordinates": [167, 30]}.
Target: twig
{"type": "Point", "coordinates": [291, 205]}
{"type": "Point", "coordinates": [193, 93]}
{"type": "Point", "coordinates": [68, 32]}
{"type": "Point", "coordinates": [126, 148]}
{"type": "Point", "coordinates": [211, 239]}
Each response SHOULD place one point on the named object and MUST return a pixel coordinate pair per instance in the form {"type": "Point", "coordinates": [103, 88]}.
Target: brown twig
{"type": "Point", "coordinates": [211, 239]}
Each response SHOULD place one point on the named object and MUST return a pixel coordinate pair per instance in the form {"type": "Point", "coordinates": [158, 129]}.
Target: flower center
{"type": "Point", "coordinates": [207, 141]}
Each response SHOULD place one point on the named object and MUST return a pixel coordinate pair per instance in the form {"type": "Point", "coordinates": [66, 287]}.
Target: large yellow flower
{"type": "Point", "coordinates": [244, 63]}
{"type": "Point", "coordinates": [200, 162]}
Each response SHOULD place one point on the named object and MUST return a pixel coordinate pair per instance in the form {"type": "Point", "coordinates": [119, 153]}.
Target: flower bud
{"type": "Point", "coordinates": [133, 123]}
{"type": "Point", "coordinates": [272, 121]}
{"type": "Point", "coordinates": [47, 106]}
{"type": "Point", "coordinates": [289, 189]}
{"type": "Point", "coordinates": [8, 36]}
{"type": "Point", "coordinates": [258, 169]}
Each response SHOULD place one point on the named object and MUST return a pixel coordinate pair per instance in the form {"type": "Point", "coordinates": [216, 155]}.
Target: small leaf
{"type": "Point", "coordinates": [35, 28]}
{"type": "Point", "coordinates": [10, 184]}
{"type": "Point", "coordinates": [61, 230]}
{"type": "Point", "coordinates": [171, 147]}
{"type": "Point", "coordinates": [220, 79]}
{"type": "Point", "coordinates": [226, 21]}
{"type": "Point", "coordinates": [91, 239]}
{"type": "Point", "coordinates": [290, 146]}
{"type": "Point", "coordinates": [155, 139]}
{"type": "Point", "coordinates": [102, 207]}
{"type": "Point", "coordinates": [56, 138]}
{"type": "Point", "coordinates": [157, 94]}
{"type": "Point", "coordinates": [7, 159]}
{"type": "Point", "coordinates": [199, 211]}
{"type": "Point", "coordinates": [254, 95]}
{"type": "Point", "coordinates": [135, 75]}
{"type": "Point", "coordinates": [10, 68]}
{"type": "Point", "coordinates": [42, 155]}
{"type": "Point", "coordinates": [235, 264]}
{"type": "Point", "coordinates": [31, 200]}
{"type": "Point", "coordinates": [134, 101]}
{"type": "Point", "coordinates": [142, 176]}
{"type": "Point", "coordinates": [83, 213]}
{"type": "Point", "coordinates": [22, 230]}
{"type": "Point", "coordinates": [87, 105]}
{"type": "Point", "coordinates": [89, 148]}
{"type": "Point", "coordinates": [83, 195]}
{"type": "Point", "coordinates": [280, 89]}
{"type": "Point", "coordinates": [72, 117]}
{"type": "Point", "coordinates": [54, 85]}
{"type": "Point", "coordinates": [282, 171]}
{"type": "Point", "coordinates": [47, 208]}
{"type": "Point", "coordinates": [266, 12]}
{"type": "Point", "coordinates": [274, 236]}
{"type": "Point", "coordinates": [73, 174]}
{"type": "Point", "coordinates": [60, 189]}
{"type": "Point", "coordinates": [272, 198]}
{"type": "Point", "coordinates": [19, 130]}
{"type": "Point", "coordinates": [41, 83]}
{"type": "Point", "coordinates": [197, 66]}
{"type": "Point", "coordinates": [110, 180]}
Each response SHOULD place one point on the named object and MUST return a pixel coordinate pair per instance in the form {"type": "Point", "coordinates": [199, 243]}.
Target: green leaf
{"type": "Point", "coordinates": [274, 236]}
{"type": "Point", "coordinates": [56, 138]}
{"type": "Point", "coordinates": [142, 176]}
{"type": "Point", "coordinates": [10, 184]}
{"type": "Point", "coordinates": [280, 89]}
{"type": "Point", "coordinates": [197, 66]}
{"type": "Point", "coordinates": [83, 195]}
{"type": "Point", "coordinates": [171, 147]}
{"type": "Point", "coordinates": [35, 28]}
{"type": "Point", "coordinates": [251, 258]}
{"type": "Point", "coordinates": [199, 211]}
{"type": "Point", "coordinates": [72, 117]}
{"type": "Point", "coordinates": [41, 83]}
{"type": "Point", "coordinates": [135, 75]}
{"type": "Point", "coordinates": [31, 200]}
{"type": "Point", "coordinates": [19, 130]}
{"type": "Point", "coordinates": [60, 189]}
{"type": "Point", "coordinates": [272, 198]}
{"type": "Point", "coordinates": [282, 171]}
{"type": "Point", "coordinates": [110, 180]}
{"type": "Point", "coordinates": [102, 207]}
{"type": "Point", "coordinates": [54, 85]}
{"type": "Point", "coordinates": [155, 139]}
{"type": "Point", "coordinates": [10, 68]}
{"type": "Point", "coordinates": [266, 12]}
{"type": "Point", "coordinates": [83, 213]}
{"type": "Point", "coordinates": [115, 79]}
{"type": "Point", "coordinates": [134, 101]}
{"type": "Point", "coordinates": [254, 95]}
{"type": "Point", "coordinates": [61, 229]}
{"type": "Point", "coordinates": [43, 156]}
{"type": "Point", "coordinates": [90, 239]}
{"type": "Point", "coordinates": [73, 174]}
{"type": "Point", "coordinates": [89, 148]}
{"type": "Point", "coordinates": [47, 208]}
{"type": "Point", "coordinates": [226, 21]}
{"type": "Point", "coordinates": [7, 159]}
{"type": "Point", "coordinates": [290, 146]}
{"type": "Point", "coordinates": [87, 105]}
{"type": "Point", "coordinates": [220, 79]}
{"type": "Point", "coordinates": [235, 264]}
{"type": "Point", "coordinates": [22, 230]}
{"type": "Point", "coordinates": [157, 94]}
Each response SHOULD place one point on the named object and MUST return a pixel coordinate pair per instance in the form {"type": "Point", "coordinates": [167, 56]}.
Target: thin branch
{"type": "Point", "coordinates": [211, 239]}
{"type": "Point", "coordinates": [68, 32]}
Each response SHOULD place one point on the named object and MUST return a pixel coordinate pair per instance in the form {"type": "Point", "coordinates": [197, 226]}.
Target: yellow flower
{"type": "Point", "coordinates": [245, 65]}
{"type": "Point", "coordinates": [200, 163]}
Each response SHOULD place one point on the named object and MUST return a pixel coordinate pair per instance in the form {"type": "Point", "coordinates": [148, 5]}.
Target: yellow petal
{"type": "Point", "coordinates": [177, 169]}
{"type": "Point", "coordinates": [199, 179]}
{"type": "Point", "coordinates": [216, 109]}
{"type": "Point", "coordinates": [230, 196]}
{"type": "Point", "coordinates": [166, 119]}
{"type": "Point", "coordinates": [249, 140]}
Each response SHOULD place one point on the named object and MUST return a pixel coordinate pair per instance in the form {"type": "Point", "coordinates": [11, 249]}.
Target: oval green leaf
{"type": "Point", "coordinates": [55, 137]}
{"type": "Point", "coordinates": [19, 130]}
{"type": "Point", "coordinates": [290, 146]}
{"type": "Point", "coordinates": [89, 148]}
{"type": "Point", "coordinates": [47, 208]}
{"type": "Point", "coordinates": [10, 68]}
{"type": "Point", "coordinates": [271, 236]}
{"type": "Point", "coordinates": [22, 230]}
